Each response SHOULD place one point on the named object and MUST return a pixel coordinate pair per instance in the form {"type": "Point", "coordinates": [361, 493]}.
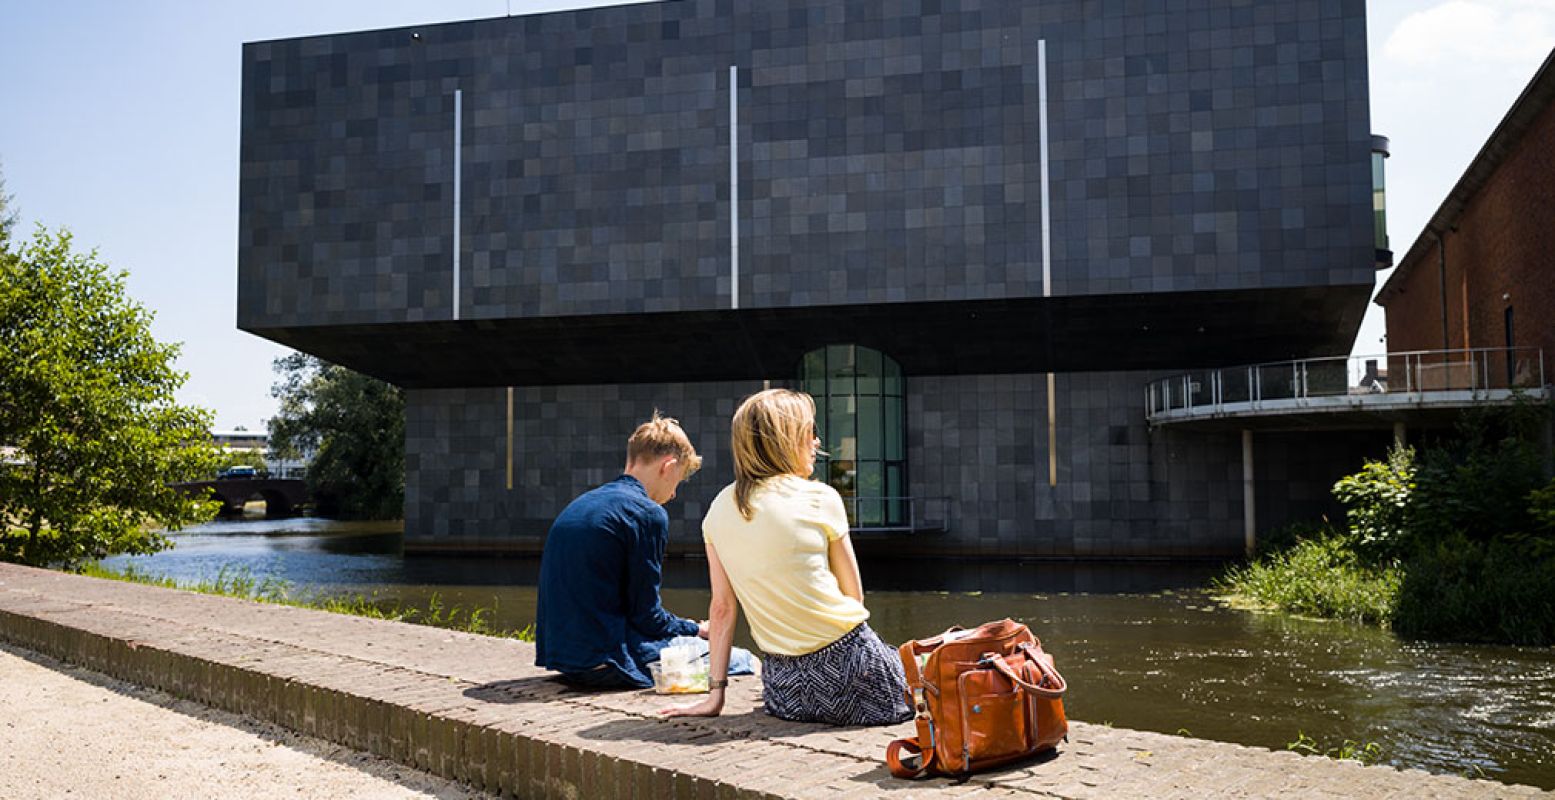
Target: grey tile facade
{"type": "Point", "coordinates": [1209, 200]}
{"type": "Point", "coordinates": [565, 439]}
{"type": "Point", "coordinates": [891, 153]}
{"type": "Point", "coordinates": [1123, 491]}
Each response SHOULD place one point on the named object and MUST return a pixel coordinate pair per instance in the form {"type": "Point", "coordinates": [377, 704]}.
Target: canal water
{"type": "Point", "coordinates": [1142, 645]}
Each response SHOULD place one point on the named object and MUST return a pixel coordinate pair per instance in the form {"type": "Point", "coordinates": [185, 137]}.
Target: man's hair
{"type": "Point", "coordinates": [659, 437]}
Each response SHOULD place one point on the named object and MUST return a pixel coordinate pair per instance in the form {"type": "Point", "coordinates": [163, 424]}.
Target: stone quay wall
{"type": "Point", "coordinates": [476, 710]}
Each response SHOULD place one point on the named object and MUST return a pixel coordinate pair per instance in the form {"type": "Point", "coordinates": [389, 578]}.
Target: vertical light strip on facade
{"type": "Point", "coordinates": [1047, 259]}
{"type": "Point", "coordinates": [734, 188]}
{"type": "Point", "coordinates": [458, 146]}
{"type": "Point", "coordinates": [1052, 430]}
{"type": "Point", "coordinates": [510, 437]}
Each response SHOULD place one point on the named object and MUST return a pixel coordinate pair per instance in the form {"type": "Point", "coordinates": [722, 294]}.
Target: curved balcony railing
{"type": "Point", "coordinates": [1391, 377]}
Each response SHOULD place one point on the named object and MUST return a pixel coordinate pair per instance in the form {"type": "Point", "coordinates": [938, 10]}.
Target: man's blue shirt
{"type": "Point", "coordinates": [599, 584]}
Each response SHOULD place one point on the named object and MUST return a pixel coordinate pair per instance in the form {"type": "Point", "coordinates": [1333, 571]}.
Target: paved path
{"type": "Point", "coordinates": [69, 732]}
{"type": "Point", "coordinates": [475, 709]}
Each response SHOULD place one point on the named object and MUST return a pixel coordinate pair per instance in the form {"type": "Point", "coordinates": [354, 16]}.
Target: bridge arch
{"type": "Point", "coordinates": [277, 504]}
{"type": "Point", "coordinates": [281, 496]}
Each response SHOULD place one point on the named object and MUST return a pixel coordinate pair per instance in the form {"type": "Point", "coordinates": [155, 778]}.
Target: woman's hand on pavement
{"type": "Point", "coordinates": [710, 707]}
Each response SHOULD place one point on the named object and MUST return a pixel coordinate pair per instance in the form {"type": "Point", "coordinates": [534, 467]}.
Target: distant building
{"type": "Point", "coordinates": [257, 443]}
{"type": "Point", "coordinates": [1481, 276]}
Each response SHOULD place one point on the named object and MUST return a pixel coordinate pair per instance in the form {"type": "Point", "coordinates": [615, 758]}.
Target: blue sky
{"type": "Point", "coordinates": [119, 120]}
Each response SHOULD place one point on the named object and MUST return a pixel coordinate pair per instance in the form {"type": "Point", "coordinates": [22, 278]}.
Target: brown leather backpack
{"type": "Point", "coordinates": [983, 697]}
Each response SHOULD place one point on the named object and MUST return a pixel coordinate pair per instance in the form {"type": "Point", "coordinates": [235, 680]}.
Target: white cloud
{"type": "Point", "coordinates": [1474, 32]}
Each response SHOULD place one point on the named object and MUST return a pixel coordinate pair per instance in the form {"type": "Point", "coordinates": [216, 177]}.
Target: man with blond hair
{"type": "Point", "coordinates": [599, 621]}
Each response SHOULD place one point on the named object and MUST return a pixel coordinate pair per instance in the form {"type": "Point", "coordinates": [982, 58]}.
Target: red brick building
{"type": "Point", "coordinates": [1482, 273]}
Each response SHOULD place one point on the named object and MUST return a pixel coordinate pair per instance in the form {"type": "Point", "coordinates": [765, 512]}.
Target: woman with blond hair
{"type": "Point", "coordinates": [777, 545]}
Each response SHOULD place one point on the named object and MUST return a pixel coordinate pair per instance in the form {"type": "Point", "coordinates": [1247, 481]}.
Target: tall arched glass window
{"type": "Point", "coordinates": [860, 415]}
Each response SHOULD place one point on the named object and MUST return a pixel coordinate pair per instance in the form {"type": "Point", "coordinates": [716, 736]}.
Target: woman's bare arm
{"type": "Point", "coordinates": [844, 564]}
{"type": "Point", "coordinates": [721, 614]}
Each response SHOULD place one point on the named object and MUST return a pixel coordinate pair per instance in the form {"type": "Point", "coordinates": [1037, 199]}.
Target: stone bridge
{"type": "Point", "coordinates": [281, 495]}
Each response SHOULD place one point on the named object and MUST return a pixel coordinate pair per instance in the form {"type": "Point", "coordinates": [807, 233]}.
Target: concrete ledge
{"type": "Point", "coordinates": [476, 710]}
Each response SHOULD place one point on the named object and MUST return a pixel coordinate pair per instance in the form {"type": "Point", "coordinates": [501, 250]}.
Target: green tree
{"type": "Point", "coordinates": [353, 425]}
{"type": "Point", "coordinates": [92, 433]}
{"type": "Point", "coordinates": [8, 216]}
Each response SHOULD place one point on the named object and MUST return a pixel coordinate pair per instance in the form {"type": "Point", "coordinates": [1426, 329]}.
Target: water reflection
{"type": "Point", "coordinates": [1142, 648]}
{"type": "Point", "coordinates": [923, 575]}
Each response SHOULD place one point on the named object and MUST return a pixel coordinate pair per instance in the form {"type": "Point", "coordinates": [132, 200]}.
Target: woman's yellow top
{"type": "Point", "coordinates": [777, 562]}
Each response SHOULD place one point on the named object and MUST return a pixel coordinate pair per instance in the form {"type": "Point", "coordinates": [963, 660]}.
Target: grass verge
{"type": "Point", "coordinates": [241, 584]}
{"type": "Point", "coordinates": [1318, 577]}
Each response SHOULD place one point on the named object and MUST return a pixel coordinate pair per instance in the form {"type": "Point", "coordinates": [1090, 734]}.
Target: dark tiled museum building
{"type": "Point", "coordinates": [973, 229]}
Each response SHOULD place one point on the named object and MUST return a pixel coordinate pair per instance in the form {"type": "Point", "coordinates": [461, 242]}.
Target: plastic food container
{"type": "Point", "coordinates": [679, 671]}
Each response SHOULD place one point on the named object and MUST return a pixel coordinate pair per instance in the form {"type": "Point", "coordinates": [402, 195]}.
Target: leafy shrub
{"type": "Point", "coordinates": [1465, 590]}
{"type": "Point", "coordinates": [1454, 544]}
{"type": "Point", "coordinates": [1377, 505]}
{"type": "Point", "coordinates": [1482, 496]}
{"type": "Point", "coordinates": [1478, 482]}
{"type": "Point", "coordinates": [1541, 508]}
{"type": "Point", "coordinates": [1319, 577]}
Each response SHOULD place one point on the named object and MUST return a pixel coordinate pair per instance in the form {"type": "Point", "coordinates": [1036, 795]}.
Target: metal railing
{"type": "Point", "coordinates": [1474, 370]}
{"type": "Point", "coordinates": [897, 513]}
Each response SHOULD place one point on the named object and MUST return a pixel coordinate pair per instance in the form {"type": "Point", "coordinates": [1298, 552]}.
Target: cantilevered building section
{"type": "Point", "coordinates": [973, 230]}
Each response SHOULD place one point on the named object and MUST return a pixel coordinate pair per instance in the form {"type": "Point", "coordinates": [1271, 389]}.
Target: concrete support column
{"type": "Point", "coordinates": [1249, 507]}
{"type": "Point", "coordinates": [1399, 439]}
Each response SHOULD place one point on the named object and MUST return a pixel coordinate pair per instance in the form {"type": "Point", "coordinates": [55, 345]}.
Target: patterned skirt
{"type": "Point", "coordinates": [856, 680]}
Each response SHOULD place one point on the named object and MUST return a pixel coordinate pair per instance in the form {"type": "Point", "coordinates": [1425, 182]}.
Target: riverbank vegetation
{"type": "Point", "coordinates": [1366, 754]}
{"type": "Point", "coordinates": [91, 434]}
{"type": "Point", "coordinates": [1453, 542]}
{"type": "Point", "coordinates": [1317, 577]}
{"type": "Point", "coordinates": [241, 584]}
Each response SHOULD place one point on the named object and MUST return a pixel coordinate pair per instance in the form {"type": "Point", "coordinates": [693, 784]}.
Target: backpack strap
{"type": "Point", "coordinates": [893, 758]}
{"type": "Point", "coordinates": [923, 745]}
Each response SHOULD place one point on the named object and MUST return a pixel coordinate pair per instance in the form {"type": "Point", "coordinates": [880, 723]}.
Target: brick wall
{"type": "Point", "coordinates": [1501, 255]}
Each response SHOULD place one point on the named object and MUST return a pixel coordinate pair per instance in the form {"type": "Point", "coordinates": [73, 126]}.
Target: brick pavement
{"type": "Point", "coordinates": [476, 710]}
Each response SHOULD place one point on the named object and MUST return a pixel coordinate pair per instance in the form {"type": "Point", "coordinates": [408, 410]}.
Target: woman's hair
{"type": "Point", "coordinates": [770, 437]}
